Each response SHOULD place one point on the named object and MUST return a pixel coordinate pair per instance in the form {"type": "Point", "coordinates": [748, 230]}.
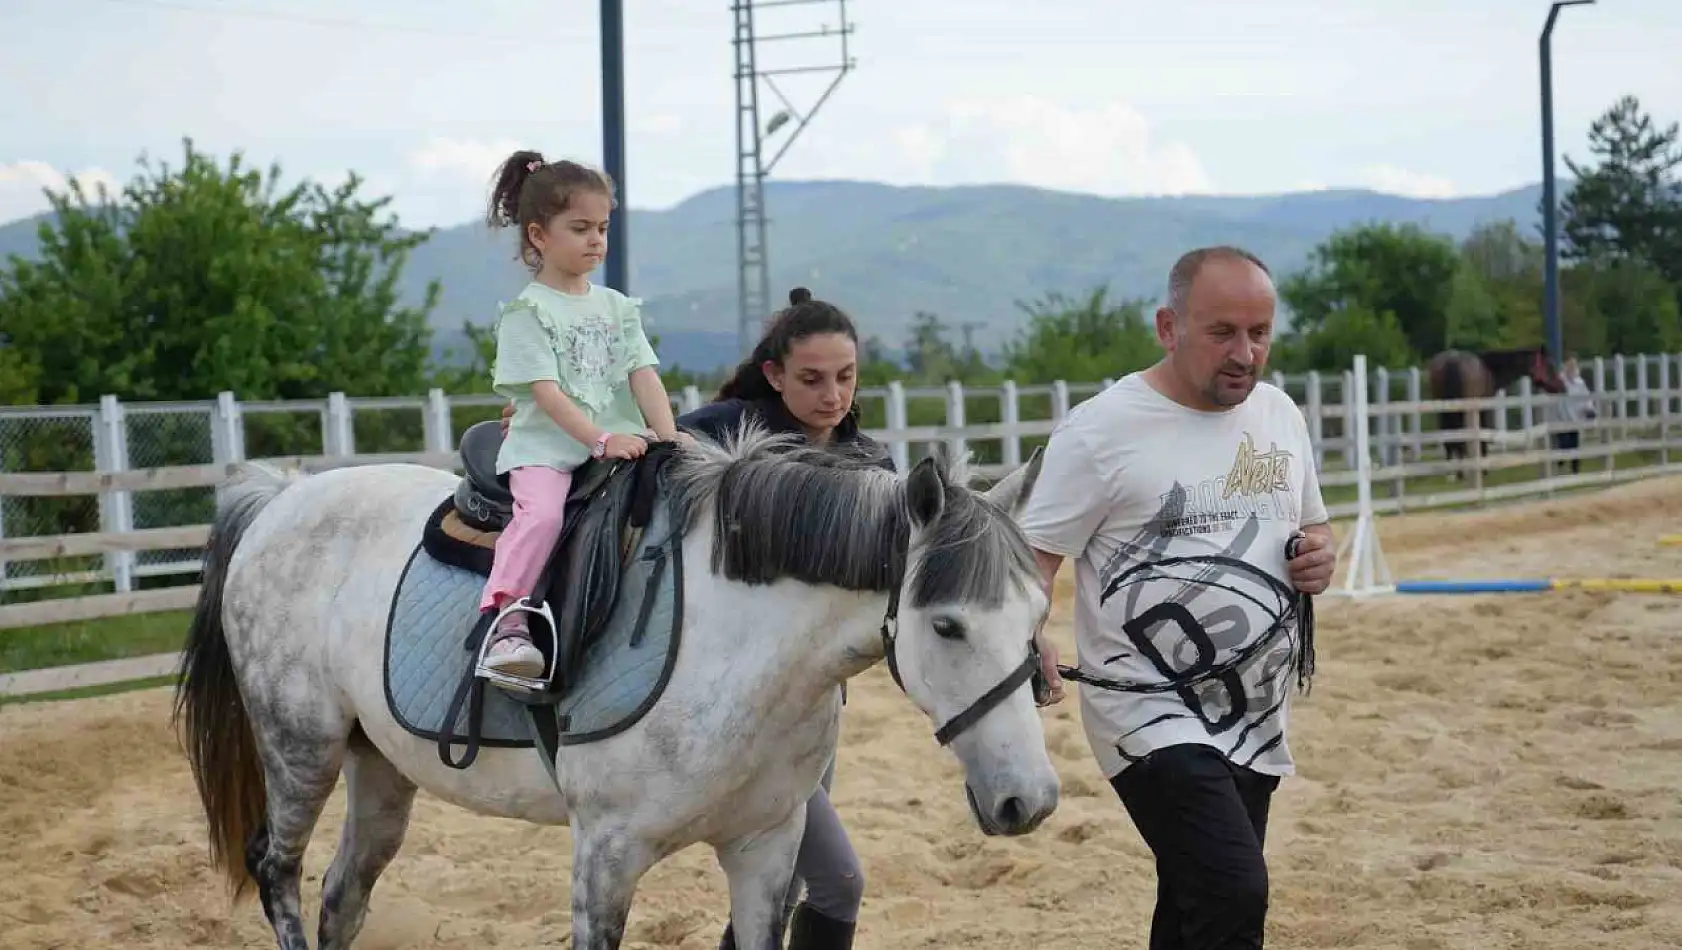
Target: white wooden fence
{"type": "Point", "coordinates": [179, 452]}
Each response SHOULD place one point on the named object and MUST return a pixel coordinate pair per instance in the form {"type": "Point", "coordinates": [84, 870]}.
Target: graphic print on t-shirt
{"type": "Point", "coordinates": [1198, 618]}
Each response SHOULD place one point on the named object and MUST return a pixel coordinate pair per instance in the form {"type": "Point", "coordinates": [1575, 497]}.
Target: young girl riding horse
{"type": "Point", "coordinates": [573, 358]}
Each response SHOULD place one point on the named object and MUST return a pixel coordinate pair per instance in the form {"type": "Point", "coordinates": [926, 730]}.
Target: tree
{"type": "Point", "coordinates": [1375, 269]}
{"type": "Point", "coordinates": [1621, 305]}
{"type": "Point", "coordinates": [1473, 320]}
{"type": "Point", "coordinates": [203, 279]}
{"type": "Point", "coordinates": [1507, 270]}
{"type": "Point", "coordinates": [1085, 339]}
{"type": "Point", "coordinates": [1630, 204]}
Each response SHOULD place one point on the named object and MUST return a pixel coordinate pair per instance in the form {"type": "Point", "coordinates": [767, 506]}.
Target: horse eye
{"type": "Point", "coordinates": [949, 627]}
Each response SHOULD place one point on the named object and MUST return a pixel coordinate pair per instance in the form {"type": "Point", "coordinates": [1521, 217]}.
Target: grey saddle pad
{"type": "Point", "coordinates": [624, 669]}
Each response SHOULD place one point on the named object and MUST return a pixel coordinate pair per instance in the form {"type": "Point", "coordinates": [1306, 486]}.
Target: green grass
{"type": "Point", "coordinates": [89, 641]}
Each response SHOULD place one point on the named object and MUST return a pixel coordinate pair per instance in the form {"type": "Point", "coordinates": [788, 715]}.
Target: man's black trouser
{"type": "Point", "coordinates": [1206, 820]}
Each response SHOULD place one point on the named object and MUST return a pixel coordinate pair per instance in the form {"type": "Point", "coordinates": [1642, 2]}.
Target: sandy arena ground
{"type": "Point", "coordinates": [1498, 771]}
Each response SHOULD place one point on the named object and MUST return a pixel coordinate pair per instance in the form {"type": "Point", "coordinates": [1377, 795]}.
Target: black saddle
{"type": "Point", "coordinates": [483, 499]}
{"type": "Point", "coordinates": [608, 505]}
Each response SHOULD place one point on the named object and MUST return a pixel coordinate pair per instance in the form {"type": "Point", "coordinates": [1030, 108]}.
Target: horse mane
{"type": "Point", "coordinates": [784, 508]}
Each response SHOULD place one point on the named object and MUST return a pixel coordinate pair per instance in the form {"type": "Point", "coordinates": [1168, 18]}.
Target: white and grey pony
{"type": "Point", "coordinates": [797, 564]}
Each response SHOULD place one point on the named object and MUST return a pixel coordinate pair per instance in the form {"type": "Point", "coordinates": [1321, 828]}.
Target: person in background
{"type": "Point", "coordinates": [1574, 406]}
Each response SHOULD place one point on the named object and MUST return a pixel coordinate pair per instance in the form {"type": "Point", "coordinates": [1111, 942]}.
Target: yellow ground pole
{"type": "Point", "coordinates": [1634, 585]}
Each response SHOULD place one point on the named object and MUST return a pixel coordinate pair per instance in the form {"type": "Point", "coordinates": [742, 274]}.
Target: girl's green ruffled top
{"type": "Point", "coordinates": [588, 344]}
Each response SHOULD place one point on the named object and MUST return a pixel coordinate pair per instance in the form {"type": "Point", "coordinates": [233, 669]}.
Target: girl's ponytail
{"type": "Point", "coordinates": [506, 187]}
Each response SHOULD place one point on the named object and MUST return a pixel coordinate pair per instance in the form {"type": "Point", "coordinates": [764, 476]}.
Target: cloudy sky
{"type": "Point", "coordinates": [1116, 97]}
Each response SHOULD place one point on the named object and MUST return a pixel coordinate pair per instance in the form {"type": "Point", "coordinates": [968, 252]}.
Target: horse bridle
{"type": "Point", "coordinates": [1028, 670]}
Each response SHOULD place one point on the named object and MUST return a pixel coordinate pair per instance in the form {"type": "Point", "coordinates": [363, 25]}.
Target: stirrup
{"type": "Point", "coordinates": [508, 680]}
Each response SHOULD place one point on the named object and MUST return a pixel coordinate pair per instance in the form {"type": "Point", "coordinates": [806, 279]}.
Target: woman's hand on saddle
{"type": "Point", "coordinates": [623, 446]}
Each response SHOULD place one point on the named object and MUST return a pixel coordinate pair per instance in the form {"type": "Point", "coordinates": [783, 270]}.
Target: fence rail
{"type": "Point", "coordinates": [100, 504]}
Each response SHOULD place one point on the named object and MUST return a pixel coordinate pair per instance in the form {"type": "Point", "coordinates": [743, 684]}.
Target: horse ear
{"type": "Point", "coordinates": [1012, 491]}
{"type": "Point", "coordinates": [925, 492]}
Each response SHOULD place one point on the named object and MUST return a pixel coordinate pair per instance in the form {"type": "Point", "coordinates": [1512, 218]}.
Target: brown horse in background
{"type": "Point", "coordinates": [1459, 374]}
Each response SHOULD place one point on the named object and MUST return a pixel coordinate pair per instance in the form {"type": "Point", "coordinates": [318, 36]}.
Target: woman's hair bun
{"type": "Point", "coordinates": [799, 295]}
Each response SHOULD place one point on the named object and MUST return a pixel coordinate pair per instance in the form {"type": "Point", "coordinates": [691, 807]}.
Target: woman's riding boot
{"type": "Point", "coordinates": [811, 930]}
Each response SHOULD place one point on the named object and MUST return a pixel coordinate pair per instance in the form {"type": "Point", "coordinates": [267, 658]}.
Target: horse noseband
{"type": "Point", "coordinates": [954, 727]}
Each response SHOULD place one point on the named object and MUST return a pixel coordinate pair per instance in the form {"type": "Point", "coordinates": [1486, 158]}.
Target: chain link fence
{"type": "Point", "coordinates": [47, 440]}
{"type": "Point", "coordinates": [158, 435]}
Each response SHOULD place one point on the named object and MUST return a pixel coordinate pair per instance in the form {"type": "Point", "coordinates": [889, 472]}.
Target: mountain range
{"type": "Point", "coordinates": [884, 252]}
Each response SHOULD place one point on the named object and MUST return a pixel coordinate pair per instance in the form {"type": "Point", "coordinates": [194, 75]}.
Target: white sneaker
{"type": "Point", "coordinates": [515, 655]}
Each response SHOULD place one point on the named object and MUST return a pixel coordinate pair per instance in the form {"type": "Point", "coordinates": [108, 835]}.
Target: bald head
{"type": "Point", "coordinates": [1185, 270]}
{"type": "Point", "coordinates": [1217, 325]}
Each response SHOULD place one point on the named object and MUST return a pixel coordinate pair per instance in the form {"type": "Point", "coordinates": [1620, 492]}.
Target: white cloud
{"type": "Point", "coordinates": [459, 158]}
{"type": "Point", "coordinates": [1400, 181]}
{"type": "Point", "coordinates": [1109, 149]}
{"type": "Point", "coordinates": [657, 124]}
{"type": "Point", "coordinates": [22, 183]}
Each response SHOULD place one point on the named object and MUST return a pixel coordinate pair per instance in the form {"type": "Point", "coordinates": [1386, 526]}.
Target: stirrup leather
{"type": "Point", "coordinates": [522, 683]}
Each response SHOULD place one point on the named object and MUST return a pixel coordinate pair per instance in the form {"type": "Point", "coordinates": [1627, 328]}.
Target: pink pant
{"type": "Point", "coordinates": [528, 541]}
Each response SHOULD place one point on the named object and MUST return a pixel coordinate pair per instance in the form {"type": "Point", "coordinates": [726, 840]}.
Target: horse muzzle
{"type": "Point", "coordinates": [1011, 815]}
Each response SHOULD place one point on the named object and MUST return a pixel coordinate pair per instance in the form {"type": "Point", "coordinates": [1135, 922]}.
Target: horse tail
{"type": "Point", "coordinates": [1454, 387]}
{"type": "Point", "coordinates": [218, 740]}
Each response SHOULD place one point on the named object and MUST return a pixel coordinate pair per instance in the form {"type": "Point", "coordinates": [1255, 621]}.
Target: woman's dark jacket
{"type": "Point", "coordinates": [717, 420]}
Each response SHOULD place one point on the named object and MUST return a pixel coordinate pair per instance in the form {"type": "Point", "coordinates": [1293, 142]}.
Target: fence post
{"type": "Point", "coordinates": [337, 434]}
{"type": "Point", "coordinates": [1315, 421]}
{"type": "Point", "coordinates": [955, 417]}
{"type": "Point", "coordinates": [1387, 428]}
{"type": "Point", "coordinates": [691, 398]}
{"type": "Point", "coordinates": [5, 570]}
{"type": "Point", "coordinates": [1527, 410]}
{"type": "Point", "coordinates": [899, 447]}
{"type": "Point", "coordinates": [436, 424]}
{"type": "Point", "coordinates": [1059, 401]}
{"type": "Point", "coordinates": [1618, 377]}
{"type": "Point", "coordinates": [1010, 415]}
{"type": "Point", "coordinates": [116, 511]}
{"type": "Point", "coordinates": [1348, 429]}
{"type": "Point", "coordinates": [1641, 387]}
{"type": "Point", "coordinates": [1664, 410]}
{"type": "Point", "coordinates": [227, 433]}
{"type": "Point", "coordinates": [1416, 419]}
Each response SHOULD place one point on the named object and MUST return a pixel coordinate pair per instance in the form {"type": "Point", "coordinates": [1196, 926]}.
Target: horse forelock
{"type": "Point", "coordinates": [974, 553]}
{"type": "Point", "coordinates": [783, 508]}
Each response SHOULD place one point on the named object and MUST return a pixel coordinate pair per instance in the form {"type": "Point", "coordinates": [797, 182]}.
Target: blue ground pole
{"type": "Point", "coordinates": [1473, 587]}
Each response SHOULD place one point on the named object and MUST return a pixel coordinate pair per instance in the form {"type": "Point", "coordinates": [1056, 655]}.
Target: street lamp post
{"type": "Point", "coordinates": [1550, 223]}
{"type": "Point", "coordinates": [613, 141]}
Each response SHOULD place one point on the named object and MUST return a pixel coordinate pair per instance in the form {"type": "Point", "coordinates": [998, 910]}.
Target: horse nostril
{"type": "Point", "coordinates": [1012, 813]}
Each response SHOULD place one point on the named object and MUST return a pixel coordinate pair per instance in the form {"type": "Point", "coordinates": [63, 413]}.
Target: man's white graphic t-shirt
{"type": "Point", "coordinates": [1177, 520]}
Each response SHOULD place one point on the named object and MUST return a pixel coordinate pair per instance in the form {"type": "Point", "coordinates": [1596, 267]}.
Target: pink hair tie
{"type": "Point", "coordinates": [534, 165]}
